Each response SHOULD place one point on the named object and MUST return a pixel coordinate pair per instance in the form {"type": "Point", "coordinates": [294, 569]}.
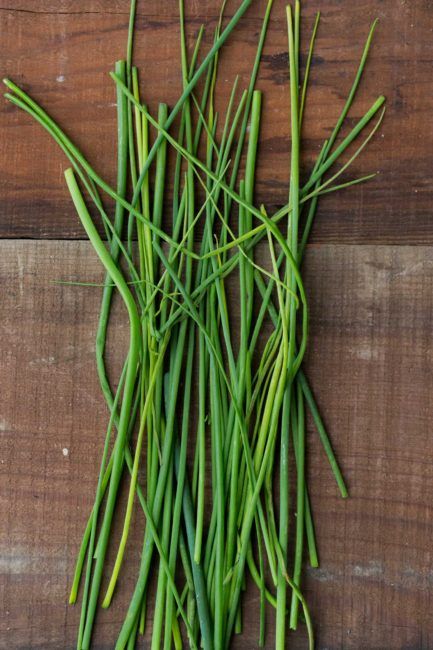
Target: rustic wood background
{"type": "Point", "coordinates": [370, 282]}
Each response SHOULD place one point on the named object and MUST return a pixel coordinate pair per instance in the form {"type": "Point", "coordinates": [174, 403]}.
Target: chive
{"type": "Point", "coordinates": [262, 629]}
{"type": "Point", "coordinates": [161, 163]}
{"type": "Point", "coordinates": [177, 506]}
{"type": "Point", "coordinates": [293, 37]}
{"type": "Point", "coordinates": [257, 579]}
{"type": "Point", "coordinates": [309, 527]}
{"type": "Point", "coordinates": [251, 397]}
{"type": "Point", "coordinates": [300, 504]}
{"type": "Point", "coordinates": [131, 372]}
{"type": "Point", "coordinates": [132, 488]}
{"type": "Point", "coordinates": [161, 595]}
{"type": "Point", "coordinates": [307, 70]}
{"type": "Point", "coordinates": [354, 87]}
{"type": "Point", "coordinates": [323, 436]}
{"type": "Point", "coordinates": [98, 499]}
{"type": "Point", "coordinates": [143, 610]}
{"type": "Point", "coordinates": [198, 577]}
{"type": "Point", "coordinates": [218, 480]}
{"type": "Point", "coordinates": [133, 638]}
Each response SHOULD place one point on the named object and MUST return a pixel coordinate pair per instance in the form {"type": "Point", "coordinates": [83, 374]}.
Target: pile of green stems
{"type": "Point", "coordinates": [209, 410]}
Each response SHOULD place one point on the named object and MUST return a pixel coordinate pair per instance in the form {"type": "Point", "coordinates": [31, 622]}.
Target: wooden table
{"type": "Point", "coordinates": [370, 283]}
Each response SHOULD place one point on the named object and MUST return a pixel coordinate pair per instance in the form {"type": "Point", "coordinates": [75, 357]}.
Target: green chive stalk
{"type": "Point", "coordinates": [293, 38]}
{"type": "Point", "coordinates": [131, 373]}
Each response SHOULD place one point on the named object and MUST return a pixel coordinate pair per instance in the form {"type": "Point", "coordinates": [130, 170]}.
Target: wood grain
{"type": "Point", "coordinates": [370, 363]}
{"type": "Point", "coordinates": [62, 51]}
{"type": "Point", "coordinates": [370, 356]}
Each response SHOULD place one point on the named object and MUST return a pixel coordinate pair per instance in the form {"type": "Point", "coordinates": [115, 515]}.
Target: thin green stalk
{"type": "Point", "coordinates": [309, 526]}
{"type": "Point", "coordinates": [237, 444]}
{"type": "Point", "coordinates": [197, 570]}
{"type": "Point", "coordinates": [177, 508]}
{"type": "Point", "coordinates": [130, 42]}
{"type": "Point", "coordinates": [161, 592]}
{"type": "Point", "coordinates": [201, 438]}
{"type": "Point", "coordinates": [293, 37]}
{"type": "Point", "coordinates": [218, 479]}
{"type": "Point", "coordinates": [354, 87]}
{"type": "Point", "coordinates": [143, 416]}
{"type": "Point", "coordinates": [95, 512]}
{"type": "Point", "coordinates": [307, 71]}
{"type": "Point", "coordinates": [257, 579]}
{"type": "Point", "coordinates": [104, 484]}
{"type": "Point", "coordinates": [300, 505]}
{"type": "Point", "coordinates": [133, 357]}
{"type": "Point", "coordinates": [246, 301]}
{"type": "Point", "coordinates": [262, 628]}
{"type": "Point", "coordinates": [160, 174]}
{"type": "Point", "coordinates": [133, 638]}
{"type": "Point", "coordinates": [323, 436]}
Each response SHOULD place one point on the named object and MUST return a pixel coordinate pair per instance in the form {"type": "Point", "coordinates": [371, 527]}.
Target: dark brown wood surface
{"type": "Point", "coordinates": [62, 51]}
{"type": "Point", "coordinates": [370, 284]}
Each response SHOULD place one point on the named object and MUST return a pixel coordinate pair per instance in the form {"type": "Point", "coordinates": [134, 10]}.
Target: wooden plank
{"type": "Point", "coordinates": [62, 51]}
{"type": "Point", "coordinates": [369, 361]}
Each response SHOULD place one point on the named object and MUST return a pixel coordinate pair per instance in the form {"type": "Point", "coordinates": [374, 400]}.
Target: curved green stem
{"type": "Point", "coordinates": [131, 373]}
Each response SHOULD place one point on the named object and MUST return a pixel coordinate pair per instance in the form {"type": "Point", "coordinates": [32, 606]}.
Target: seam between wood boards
{"type": "Point", "coordinates": [318, 244]}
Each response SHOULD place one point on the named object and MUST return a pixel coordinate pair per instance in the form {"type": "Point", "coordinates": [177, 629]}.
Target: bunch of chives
{"type": "Point", "coordinates": [211, 457]}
